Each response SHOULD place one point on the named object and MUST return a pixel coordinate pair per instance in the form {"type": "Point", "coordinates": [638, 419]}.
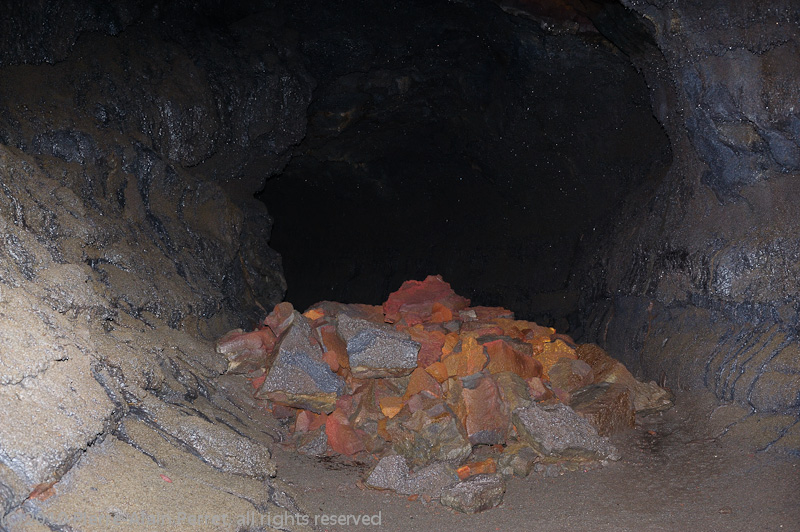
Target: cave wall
{"type": "Point", "coordinates": [697, 280]}
{"type": "Point", "coordinates": [461, 140]}
{"type": "Point", "coordinates": [132, 138]}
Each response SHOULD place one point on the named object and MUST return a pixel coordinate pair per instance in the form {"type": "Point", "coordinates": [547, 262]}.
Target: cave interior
{"type": "Point", "coordinates": [621, 170]}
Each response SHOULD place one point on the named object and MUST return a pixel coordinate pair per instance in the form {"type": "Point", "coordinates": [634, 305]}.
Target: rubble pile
{"type": "Point", "coordinates": [450, 398]}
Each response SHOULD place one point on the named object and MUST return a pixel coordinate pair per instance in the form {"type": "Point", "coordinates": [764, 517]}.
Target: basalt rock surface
{"type": "Point", "coordinates": [696, 280]}
{"type": "Point", "coordinates": [127, 243]}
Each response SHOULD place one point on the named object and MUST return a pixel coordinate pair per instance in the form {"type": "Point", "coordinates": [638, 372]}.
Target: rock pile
{"type": "Point", "coordinates": [450, 398]}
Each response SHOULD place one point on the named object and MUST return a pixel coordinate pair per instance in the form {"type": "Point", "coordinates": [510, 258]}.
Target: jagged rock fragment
{"type": "Point", "coordinates": [475, 494]}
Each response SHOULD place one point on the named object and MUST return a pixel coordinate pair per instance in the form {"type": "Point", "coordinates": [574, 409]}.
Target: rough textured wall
{"type": "Point", "coordinates": [699, 280]}
{"type": "Point", "coordinates": [129, 242]}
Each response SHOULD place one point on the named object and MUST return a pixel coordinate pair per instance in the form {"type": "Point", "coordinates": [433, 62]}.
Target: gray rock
{"type": "Point", "coordinates": [392, 473]}
{"type": "Point", "coordinates": [299, 377]}
{"type": "Point", "coordinates": [475, 494]}
{"type": "Point", "coordinates": [430, 434]}
{"type": "Point", "coordinates": [215, 443]}
{"type": "Point", "coordinates": [47, 421]}
{"type": "Point", "coordinates": [517, 459]}
{"type": "Point", "coordinates": [314, 443]}
{"type": "Point", "coordinates": [376, 350]}
{"type": "Point", "coordinates": [556, 430]}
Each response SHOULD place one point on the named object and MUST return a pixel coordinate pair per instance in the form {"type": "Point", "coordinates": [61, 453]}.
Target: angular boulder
{"type": "Point", "coordinates": [376, 351]}
{"type": "Point", "coordinates": [557, 431]}
{"type": "Point", "coordinates": [300, 377]}
{"type": "Point", "coordinates": [475, 494]}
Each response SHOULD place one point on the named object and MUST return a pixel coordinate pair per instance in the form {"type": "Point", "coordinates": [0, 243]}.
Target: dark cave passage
{"type": "Point", "coordinates": [454, 140]}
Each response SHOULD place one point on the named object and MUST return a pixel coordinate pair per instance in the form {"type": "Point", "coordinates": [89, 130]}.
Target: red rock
{"type": "Point", "coordinates": [283, 412]}
{"type": "Point", "coordinates": [308, 421]}
{"type": "Point", "coordinates": [342, 437]}
{"type": "Point", "coordinates": [238, 340]}
{"type": "Point", "coordinates": [258, 381]}
{"type": "Point", "coordinates": [246, 352]}
{"type": "Point", "coordinates": [538, 391]}
{"type": "Point", "coordinates": [280, 318]}
{"type": "Point", "coordinates": [421, 381]}
{"type": "Point", "coordinates": [431, 343]}
{"type": "Point", "coordinates": [503, 357]}
{"type": "Point", "coordinates": [488, 419]}
{"type": "Point", "coordinates": [331, 342]}
{"type": "Point", "coordinates": [416, 299]}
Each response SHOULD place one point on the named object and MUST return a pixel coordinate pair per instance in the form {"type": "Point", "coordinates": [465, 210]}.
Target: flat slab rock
{"type": "Point", "coordinates": [475, 494]}
{"type": "Point", "coordinates": [556, 430]}
{"type": "Point", "coordinates": [392, 473]}
{"type": "Point", "coordinates": [377, 350]}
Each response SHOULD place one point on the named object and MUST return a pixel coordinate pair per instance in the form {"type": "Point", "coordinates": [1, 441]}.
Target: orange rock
{"type": "Point", "coordinates": [438, 371]}
{"type": "Point", "coordinates": [440, 313]}
{"type": "Point", "coordinates": [415, 300]}
{"type": "Point", "coordinates": [551, 352]}
{"type": "Point", "coordinates": [332, 342]}
{"type": "Point", "coordinates": [488, 419]}
{"type": "Point", "coordinates": [568, 375]}
{"type": "Point", "coordinates": [330, 358]}
{"type": "Point", "coordinates": [313, 314]}
{"type": "Point", "coordinates": [523, 330]}
{"type": "Point", "coordinates": [390, 406]}
{"type": "Point", "coordinates": [420, 381]}
{"type": "Point", "coordinates": [477, 468]}
{"type": "Point", "coordinates": [382, 432]}
{"type": "Point", "coordinates": [471, 359]}
{"type": "Point", "coordinates": [450, 342]}
{"type": "Point", "coordinates": [503, 357]}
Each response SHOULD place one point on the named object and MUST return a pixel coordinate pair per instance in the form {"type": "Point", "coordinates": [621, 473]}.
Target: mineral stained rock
{"type": "Point", "coordinates": [300, 377]}
{"type": "Point", "coordinates": [606, 406]}
{"type": "Point", "coordinates": [557, 431]}
{"type": "Point", "coordinates": [377, 351]}
{"type": "Point", "coordinates": [427, 385]}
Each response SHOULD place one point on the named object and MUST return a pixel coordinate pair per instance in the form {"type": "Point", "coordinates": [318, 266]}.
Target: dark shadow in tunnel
{"type": "Point", "coordinates": [462, 141]}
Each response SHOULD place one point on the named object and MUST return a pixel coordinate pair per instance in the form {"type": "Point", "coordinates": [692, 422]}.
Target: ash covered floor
{"type": "Point", "coordinates": [676, 473]}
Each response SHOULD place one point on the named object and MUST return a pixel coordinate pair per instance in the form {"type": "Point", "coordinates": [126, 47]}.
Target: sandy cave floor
{"type": "Point", "coordinates": [672, 476]}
